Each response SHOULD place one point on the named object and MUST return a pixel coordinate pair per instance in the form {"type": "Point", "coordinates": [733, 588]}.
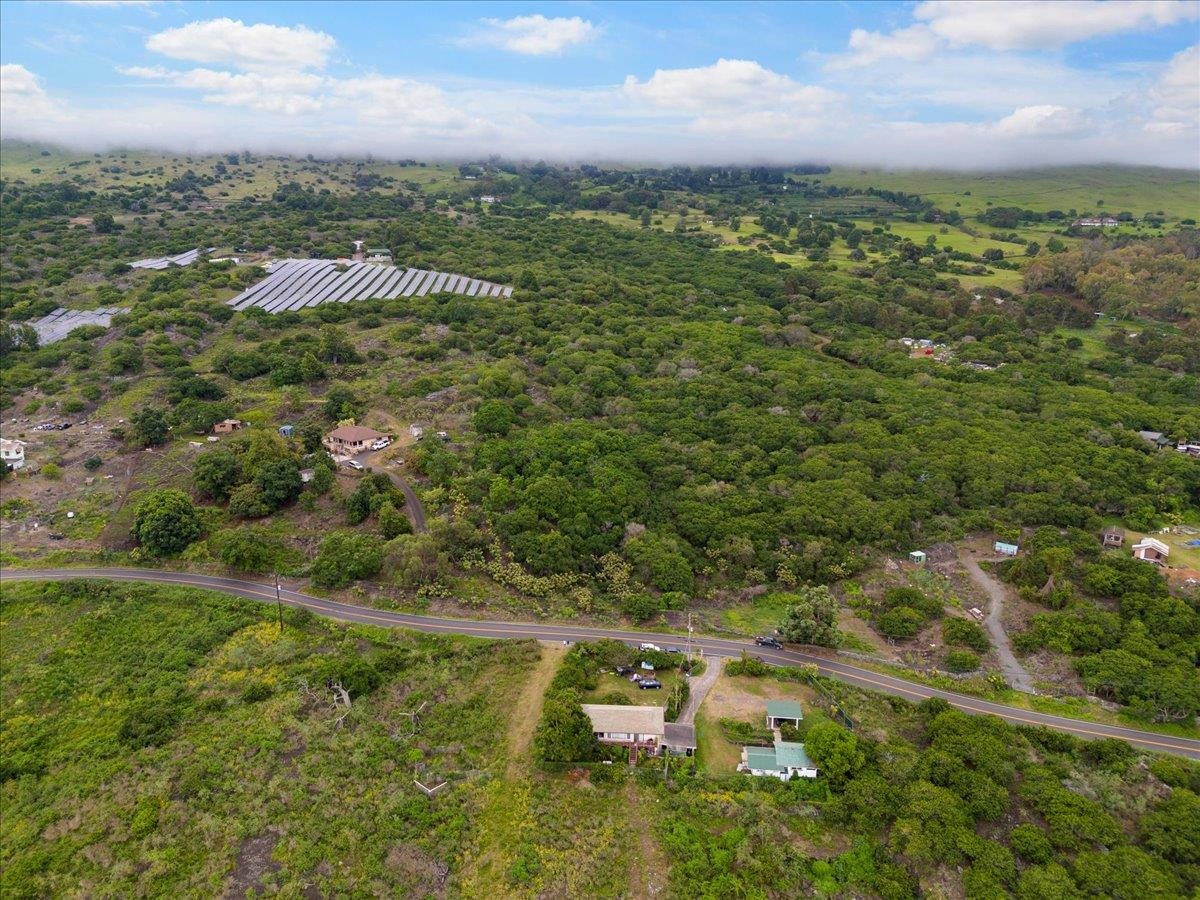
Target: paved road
{"type": "Point", "coordinates": [1014, 673]}
{"type": "Point", "coordinates": [854, 675]}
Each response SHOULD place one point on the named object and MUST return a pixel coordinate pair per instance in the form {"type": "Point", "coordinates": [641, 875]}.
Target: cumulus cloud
{"type": "Point", "coordinates": [22, 97]}
{"type": "Point", "coordinates": [534, 35]}
{"type": "Point", "coordinates": [252, 47]}
{"type": "Point", "coordinates": [1044, 120]}
{"type": "Point", "coordinates": [1005, 25]}
{"type": "Point", "coordinates": [1176, 95]}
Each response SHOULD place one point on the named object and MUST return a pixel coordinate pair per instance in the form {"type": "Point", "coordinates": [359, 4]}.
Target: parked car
{"type": "Point", "coordinates": [649, 646]}
{"type": "Point", "coordinates": [649, 684]}
{"type": "Point", "coordinates": [768, 642]}
{"type": "Point", "coordinates": [354, 464]}
{"type": "Point", "coordinates": [381, 444]}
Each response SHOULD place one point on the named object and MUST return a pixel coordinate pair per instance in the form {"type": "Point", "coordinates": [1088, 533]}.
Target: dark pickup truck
{"type": "Point", "coordinates": [768, 642]}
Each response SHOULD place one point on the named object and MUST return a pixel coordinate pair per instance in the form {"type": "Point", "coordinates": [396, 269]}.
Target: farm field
{"type": "Point", "coordinates": [1137, 190]}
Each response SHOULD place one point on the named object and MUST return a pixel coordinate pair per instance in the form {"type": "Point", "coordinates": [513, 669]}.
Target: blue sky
{"type": "Point", "coordinates": [928, 83]}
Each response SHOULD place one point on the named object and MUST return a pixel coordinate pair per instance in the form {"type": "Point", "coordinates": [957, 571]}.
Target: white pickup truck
{"type": "Point", "coordinates": [649, 646]}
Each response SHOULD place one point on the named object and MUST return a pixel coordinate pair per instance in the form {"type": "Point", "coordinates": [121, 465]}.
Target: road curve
{"type": "Point", "coordinates": [854, 675]}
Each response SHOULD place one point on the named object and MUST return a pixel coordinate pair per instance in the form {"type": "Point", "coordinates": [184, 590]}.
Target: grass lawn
{"type": "Point", "coordinates": [609, 684]}
{"type": "Point", "coordinates": [1138, 189]}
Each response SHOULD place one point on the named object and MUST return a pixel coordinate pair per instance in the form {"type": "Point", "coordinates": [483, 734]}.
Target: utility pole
{"type": "Point", "coordinates": [278, 603]}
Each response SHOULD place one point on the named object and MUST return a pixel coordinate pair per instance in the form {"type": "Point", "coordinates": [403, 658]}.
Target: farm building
{"type": "Point", "coordinates": [641, 727]}
{"type": "Point", "coordinates": [1151, 550]}
{"type": "Point", "coordinates": [1005, 548]}
{"type": "Point", "coordinates": [293, 284]}
{"type": "Point", "coordinates": [780, 711]}
{"type": "Point", "coordinates": [784, 760]}
{"type": "Point", "coordinates": [12, 453]}
{"type": "Point", "coordinates": [1113, 537]}
{"type": "Point", "coordinates": [228, 426]}
{"type": "Point", "coordinates": [349, 440]}
{"type": "Point", "coordinates": [1157, 438]}
{"type": "Point", "coordinates": [1097, 222]}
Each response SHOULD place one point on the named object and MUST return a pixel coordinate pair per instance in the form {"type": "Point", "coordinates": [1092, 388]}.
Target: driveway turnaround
{"type": "Point", "coordinates": [854, 675]}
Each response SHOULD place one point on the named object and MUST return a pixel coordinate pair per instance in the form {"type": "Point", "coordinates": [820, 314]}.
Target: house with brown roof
{"type": "Point", "coordinates": [350, 440]}
{"type": "Point", "coordinates": [228, 426]}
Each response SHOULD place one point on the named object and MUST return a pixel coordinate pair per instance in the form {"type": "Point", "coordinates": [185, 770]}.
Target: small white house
{"type": "Point", "coordinates": [1005, 548]}
{"type": "Point", "coordinates": [917, 557]}
{"type": "Point", "coordinates": [1151, 550]}
{"type": "Point", "coordinates": [785, 760]}
{"type": "Point", "coordinates": [12, 453]}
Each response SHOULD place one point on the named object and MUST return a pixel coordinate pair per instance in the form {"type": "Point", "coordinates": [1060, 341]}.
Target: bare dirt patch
{"type": "Point", "coordinates": [253, 862]}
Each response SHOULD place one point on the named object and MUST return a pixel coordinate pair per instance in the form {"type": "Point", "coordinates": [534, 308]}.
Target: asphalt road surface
{"type": "Point", "coordinates": [854, 675]}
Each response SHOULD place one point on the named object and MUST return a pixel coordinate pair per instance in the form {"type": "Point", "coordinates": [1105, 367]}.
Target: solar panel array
{"type": "Point", "coordinates": [298, 283]}
{"type": "Point", "coordinates": [165, 262]}
{"type": "Point", "coordinates": [62, 322]}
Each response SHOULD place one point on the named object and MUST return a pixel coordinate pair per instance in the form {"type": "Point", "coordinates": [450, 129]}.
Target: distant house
{"type": "Point", "coordinates": [487, 198]}
{"type": "Point", "coordinates": [780, 711]}
{"type": "Point", "coordinates": [1192, 448]}
{"type": "Point", "coordinates": [1005, 548]}
{"type": "Point", "coordinates": [379, 254]}
{"type": "Point", "coordinates": [228, 426]}
{"type": "Point", "coordinates": [350, 440]}
{"type": "Point", "coordinates": [1154, 437]}
{"type": "Point", "coordinates": [1097, 222]}
{"type": "Point", "coordinates": [1151, 550]}
{"type": "Point", "coordinates": [287, 430]}
{"type": "Point", "coordinates": [1113, 537]}
{"type": "Point", "coordinates": [784, 760]}
{"type": "Point", "coordinates": [12, 454]}
{"type": "Point", "coordinates": [918, 557]}
{"type": "Point", "coordinates": [640, 727]}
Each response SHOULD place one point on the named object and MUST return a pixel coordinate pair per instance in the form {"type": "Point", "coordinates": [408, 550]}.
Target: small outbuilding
{"type": "Point", "coordinates": [1113, 537]}
{"type": "Point", "coordinates": [1151, 550]}
{"type": "Point", "coordinates": [1005, 549]}
{"type": "Point", "coordinates": [228, 426]}
{"type": "Point", "coordinates": [918, 557]}
{"type": "Point", "coordinates": [287, 430]}
{"type": "Point", "coordinates": [780, 711]}
{"type": "Point", "coordinates": [679, 739]}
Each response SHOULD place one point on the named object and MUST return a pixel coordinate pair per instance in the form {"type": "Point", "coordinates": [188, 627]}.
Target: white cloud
{"type": "Point", "coordinates": [22, 96]}
{"type": "Point", "coordinates": [1005, 25]}
{"type": "Point", "coordinates": [533, 35]}
{"type": "Point", "coordinates": [869, 47]}
{"type": "Point", "coordinates": [251, 47]}
{"type": "Point", "coordinates": [1044, 120]}
{"type": "Point", "coordinates": [1176, 95]}
{"type": "Point", "coordinates": [1035, 24]}
{"type": "Point", "coordinates": [727, 84]}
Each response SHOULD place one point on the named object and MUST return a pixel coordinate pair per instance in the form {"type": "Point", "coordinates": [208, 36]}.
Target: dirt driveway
{"type": "Point", "coordinates": [1014, 672]}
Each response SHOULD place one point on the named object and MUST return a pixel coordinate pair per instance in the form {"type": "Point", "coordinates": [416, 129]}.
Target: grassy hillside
{"type": "Point", "coordinates": [1175, 192]}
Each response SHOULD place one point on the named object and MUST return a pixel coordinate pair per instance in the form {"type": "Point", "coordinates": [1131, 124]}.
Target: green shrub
{"type": "Point", "coordinates": [92, 463]}
{"type": "Point", "coordinates": [965, 634]}
{"type": "Point", "coordinates": [962, 661]}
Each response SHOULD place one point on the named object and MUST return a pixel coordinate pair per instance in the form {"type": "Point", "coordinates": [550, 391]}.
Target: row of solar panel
{"type": "Point", "coordinates": [165, 262]}
{"type": "Point", "coordinates": [62, 322]}
{"type": "Point", "coordinates": [295, 284]}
